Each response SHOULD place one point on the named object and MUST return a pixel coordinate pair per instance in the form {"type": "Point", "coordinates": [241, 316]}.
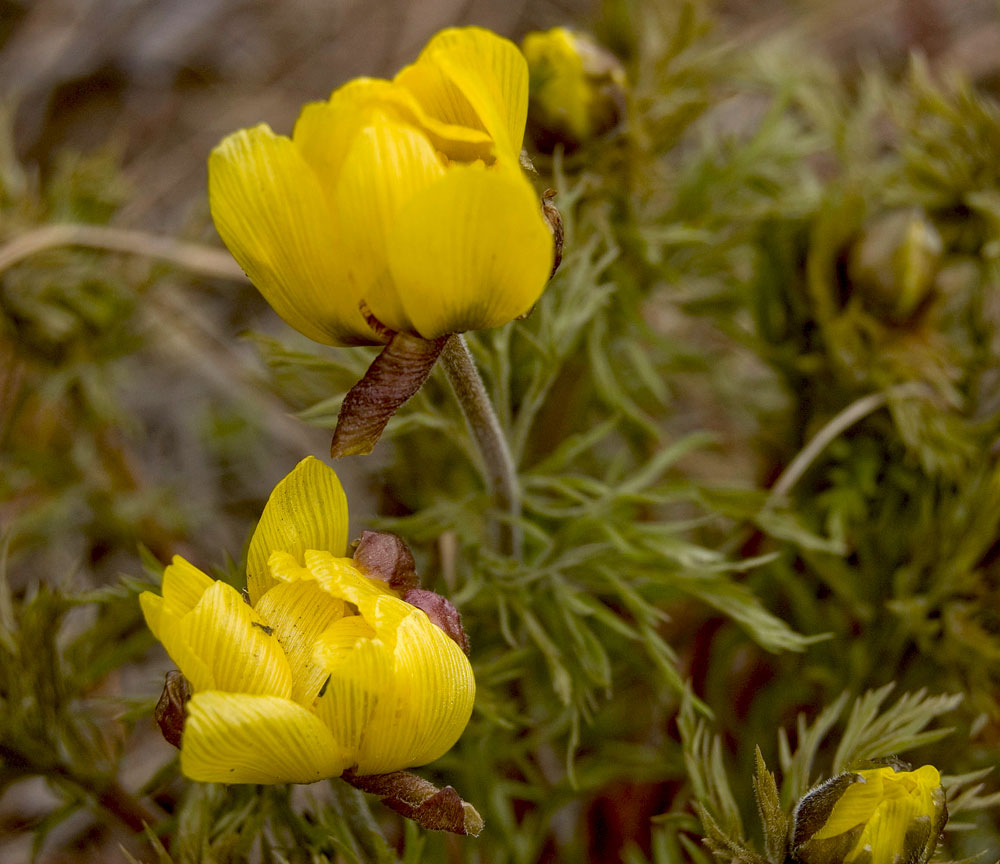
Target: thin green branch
{"type": "Point", "coordinates": [195, 257]}
{"type": "Point", "coordinates": [499, 468]}
{"type": "Point", "coordinates": [840, 423]}
{"type": "Point", "coordinates": [833, 429]}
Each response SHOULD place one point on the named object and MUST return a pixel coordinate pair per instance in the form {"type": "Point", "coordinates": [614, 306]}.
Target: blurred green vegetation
{"type": "Point", "coordinates": [755, 417]}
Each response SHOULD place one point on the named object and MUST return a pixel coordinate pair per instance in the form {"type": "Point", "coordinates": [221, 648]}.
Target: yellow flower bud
{"type": "Point", "coordinates": [872, 816]}
{"type": "Point", "coordinates": [577, 88]}
{"type": "Point", "coordinates": [893, 264]}
{"type": "Point", "coordinates": [323, 670]}
{"type": "Point", "coordinates": [404, 198]}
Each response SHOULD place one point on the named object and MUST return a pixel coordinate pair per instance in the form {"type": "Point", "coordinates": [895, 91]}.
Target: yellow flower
{"type": "Point", "coordinates": [323, 670]}
{"type": "Point", "coordinates": [577, 87]}
{"type": "Point", "coordinates": [873, 816]}
{"type": "Point", "coordinates": [406, 196]}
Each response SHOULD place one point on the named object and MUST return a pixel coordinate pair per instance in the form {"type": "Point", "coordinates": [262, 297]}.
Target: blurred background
{"type": "Point", "coordinates": [136, 412]}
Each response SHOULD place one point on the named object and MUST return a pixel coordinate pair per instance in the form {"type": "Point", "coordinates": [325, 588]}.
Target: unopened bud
{"type": "Point", "coordinates": [894, 262]}
{"type": "Point", "coordinates": [872, 816]}
{"type": "Point", "coordinates": [577, 88]}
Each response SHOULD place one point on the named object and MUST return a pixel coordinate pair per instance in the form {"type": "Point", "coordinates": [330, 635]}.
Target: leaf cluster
{"type": "Point", "coordinates": [59, 720]}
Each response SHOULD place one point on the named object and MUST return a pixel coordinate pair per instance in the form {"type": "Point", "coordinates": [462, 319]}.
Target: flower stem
{"type": "Point", "coordinates": [206, 260]}
{"type": "Point", "coordinates": [843, 421]}
{"type": "Point", "coordinates": [836, 426]}
{"type": "Point", "coordinates": [500, 472]}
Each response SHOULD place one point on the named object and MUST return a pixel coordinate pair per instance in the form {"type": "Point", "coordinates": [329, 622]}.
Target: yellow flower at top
{"type": "Point", "coordinates": [405, 196]}
{"type": "Point", "coordinates": [321, 670]}
{"type": "Point", "coordinates": [872, 816]}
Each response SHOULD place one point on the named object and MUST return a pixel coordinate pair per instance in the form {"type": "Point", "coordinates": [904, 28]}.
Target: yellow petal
{"type": "Point", "coordinates": [360, 677]}
{"type": "Point", "coordinates": [470, 252]}
{"type": "Point", "coordinates": [299, 612]}
{"type": "Point", "coordinates": [194, 667]}
{"type": "Point", "coordinates": [471, 77]}
{"type": "Point", "coordinates": [433, 693]}
{"type": "Point", "coordinates": [237, 738]}
{"type": "Point", "coordinates": [856, 805]}
{"type": "Point", "coordinates": [183, 585]}
{"type": "Point", "coordinates": [284, 567]}
{"type": "Point", "coordinates": [885, 834]}
{"type": "Point", "coordinates": [334, 646]}
{"type": "Point", "coordinates": [400, 692]}
{"type": "Point", "coordinates": [336, 576]}
{"type": "Point", "coordinates": [560, 86]}
{"type": "Point", "coordinates": [386, 165]}
{"type": "Point", "coordinates": [306, 510]}
{"type": "Point", "coordinates": [273, 215]}
{"type": "Point", "coordinates": [440, 98]}
{"type": "Point", "coordinates": [905, 818]}
{"type": "Point", "coordinates": [385, 615]}
{"type": "Point", "coordinates": [926, 777]}
{"type": "Point", "coordinates": [234, 643]}
{"type": "Point", "coordinates": [325, 131]}
{"type": "Point", "coordinates": [340, 578]}
{"type": "Point", "coordinates": [152, 610]}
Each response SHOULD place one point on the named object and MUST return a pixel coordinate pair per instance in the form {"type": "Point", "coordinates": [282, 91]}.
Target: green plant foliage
{"type": "Point", "coordinates": [57, 648]}
{"type": "Point", "coordinates": [604, 551]}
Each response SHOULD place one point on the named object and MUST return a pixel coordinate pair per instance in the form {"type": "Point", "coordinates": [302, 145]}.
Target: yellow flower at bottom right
{"type": "Point", "coordinates": [871, 816]}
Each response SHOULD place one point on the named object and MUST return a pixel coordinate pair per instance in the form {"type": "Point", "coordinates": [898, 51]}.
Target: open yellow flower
{"type": "Point", "coordinates": [872, 816]}
{"type": "Point", "coordinates": [323, 670]}
{"type": "Point", "coordinates": [405, 196]}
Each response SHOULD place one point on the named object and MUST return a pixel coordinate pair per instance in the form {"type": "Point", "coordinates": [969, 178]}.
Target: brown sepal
{"type": "Point", "coordinates": [442, 612]}
{"type": "Point", "coordinates": [394, 376]}
{"type": "Point", "coordinates": [420, 800]}
{"type": "Point", "coordinates": [554, 219]}
{"type": "Point", "coordinates": [385, 556]}
{"type": "Point", "coordinates": [170, 710]}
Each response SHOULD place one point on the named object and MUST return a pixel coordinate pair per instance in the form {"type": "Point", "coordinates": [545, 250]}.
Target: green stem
{"type": "Point", "coordinates": [831, 430]}
{"type": "Point", "coordinates": [834, 428]}
{"type": "Point", "coordinates": [209, 261]}
{"type": "Point", "coordinates": [500, 472]}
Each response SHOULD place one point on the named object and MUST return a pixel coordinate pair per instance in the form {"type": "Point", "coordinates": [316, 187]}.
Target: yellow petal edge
{"type": "Point", "coordinates": [237, 738]}
{"type": "Point", "coordinates": [306, 510]}
{"type": "Point", "coordinates": [470, 252]}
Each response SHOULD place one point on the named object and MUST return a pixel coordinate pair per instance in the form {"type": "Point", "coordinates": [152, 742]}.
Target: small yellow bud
{"type": "Point", "coordinates": [894, 262]}
{"type": "Point", "coordinates": [873, 816]}
{"type": "Point", "coordinates": [577, 88]}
